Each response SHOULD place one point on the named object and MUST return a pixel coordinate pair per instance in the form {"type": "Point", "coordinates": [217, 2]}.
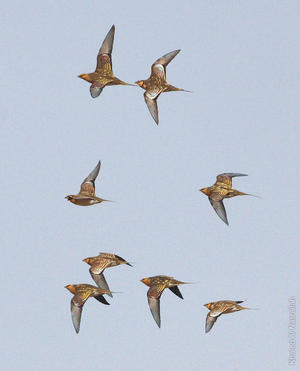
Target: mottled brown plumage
{"type": "Point", "coordinates": [157, 285]}
{"type": "Point", "coordinates": [103, 75]}
{"type": "Point", "coordinates": [218, 308]}
{"type": "Point", "coordinates": [100, 263]}
{"type": "Point", "coordinates": [81, 293]}
{"type": "Point", "coordinates": [157, 83]}
{"type": "Point", "coordinates": [86, 196]}
{"type": "Point", "coordinates": [220, 190]}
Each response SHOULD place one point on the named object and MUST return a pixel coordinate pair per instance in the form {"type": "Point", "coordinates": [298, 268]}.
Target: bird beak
{"type": "Point", "coordinates": [85, 77]}
{"type": "Point", "coordinates": [203, 190]}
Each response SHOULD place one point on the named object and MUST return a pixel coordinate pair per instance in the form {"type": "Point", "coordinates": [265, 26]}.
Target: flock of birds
{"type": "Point", "coordinates": [153, 86]}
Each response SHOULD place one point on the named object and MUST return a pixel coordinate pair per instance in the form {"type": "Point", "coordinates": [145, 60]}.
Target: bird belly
{"type": "Point", "coordinates": [85, 201]}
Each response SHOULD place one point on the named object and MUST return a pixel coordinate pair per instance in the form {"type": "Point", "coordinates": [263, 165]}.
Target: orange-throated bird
{"type": "Point", "coordinates": [218, 308]}
{"type": "Point", "coordinates": [81, 293]}
{"type": "Point", "coordinates": [157, 83]}
{"type": "Point", "coordinates": [157, 285]}
{"type": "Point", "coordinates": [103, 75]}
{"type": "Point", "coordinates": [86, 196]}
{"type": "Point", "coordinates": [100, 263]}
{"type": "Point", "coordinates": [220, 190]}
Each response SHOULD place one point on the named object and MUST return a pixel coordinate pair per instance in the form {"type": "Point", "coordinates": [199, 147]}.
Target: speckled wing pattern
{"type": "Point", "coordinates": [216, 201]}
{"type": "Point", "coordinates": [227, 178]}
{"type": "Point", "coordinates": [104, 63]}
{"type": "Point", "coordinates": [104, 60]}
{"type": "Point", "coordinates": [98, 267]}
{"type": "Point", "coordinates": [122, 260]}
{"type": "Point", "coordinates": [88, 185]}
{"type": "Point", "coordinates": [96, 272]}
{"type": "Point", "coordinates": [159, 71]}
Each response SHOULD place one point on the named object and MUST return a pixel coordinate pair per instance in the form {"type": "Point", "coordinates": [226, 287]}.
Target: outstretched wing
{"type": "Point", "coordinates": [176, 291]}
{"type": "Point", "coordinates": [159, 66]}
{"type": "Point", "coordinates": [210, 321]}
{"type": "Point", "coordinates": [104, 60]}
{"type": "Point", "coordinates": [96, 89]}
{"type": "Point", "coordinates": [152, 105]}
{"type": "Point", "coordinates": [217, 203]}
{"type": "Point", "coordinates": [101, 299]}
{"type": "Point", "coordinates": [227, 177]}
{"type": "Point", "coordinates": [100, 280]}
{"type": "Point", "coordinates": [76, 309]}
{"type": "Point", "coordinates": [76, 316]}
{"type": "Point", "coordinates": [88, 185]}
{"type": "Point", "coordinates": [154, 294]}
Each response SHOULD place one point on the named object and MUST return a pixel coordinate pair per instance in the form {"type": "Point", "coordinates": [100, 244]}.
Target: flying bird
{"type": "Point", "coordinates": [100, 263]}
{"type": "Point", "coordinates": [157, 285]}
{"type": "Point", "coordinates": [157, 83]}
{"type": "Point", "coordinates": [81, 293]}
{"type": "Point", "coordinates": [86, 196]}
{"type": "Point", "coordinates": [220, 190]}
{"type": "Point", "coordinates": [218, 308]}
{"type": "Point", "coordinates": [103, 74]}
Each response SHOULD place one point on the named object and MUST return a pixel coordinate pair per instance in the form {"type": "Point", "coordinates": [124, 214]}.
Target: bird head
{"type": "Point", "coordinates": [141, 83]}
{"type": "Point", "coordinates": [71, 288]}
{"type": "Point", "coordinates": [85, 77]}
{"type": "Point", "coordinates": [146, 281]}
{"type": "Point", "coordinates": [205, 191]}
{"type": "Point", "coordinates": [69, 198]}
{"type": "Point", "coordinates": [208, 306]}
{"type": "Point", "coordinates": [87, 260]}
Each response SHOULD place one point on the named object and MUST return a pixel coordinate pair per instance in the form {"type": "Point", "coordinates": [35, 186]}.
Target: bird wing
{"type": "Point", "coordinates": [121, 259]}
{"type": "Point", "coordinates": [227, 178]}
{"type": "Point", "coordinates": [101, 299]}
{"type": "Point", "coordinates": [217, 203]}
{"type": "Point", "coordinates": [76, 315]}
{"type": "Point", "coordinates": [104, 61]}
{"type": "Point", "coordinates": [151, 102]}
{"type": "Point", "coordinates": [154, 305]}
{"type": "Point", "coordinates": [159, 66]}
{"type": "Point", "coordinates": [98, 267]}
{"type": "Point", "coordinates": [88, 185]}
{"type": "Point", "coordinates": [96, 89]}
{"type": "Point", "coordinates": [210, 321]}
{"type": "Point", "coordinates": [176, 291]}
{"type": "Point", "coordinates": [100, 280]}
{"type": "Point", "coordinates": [76, 309]}
{"type": "Point", "coordinates": [154, 294]}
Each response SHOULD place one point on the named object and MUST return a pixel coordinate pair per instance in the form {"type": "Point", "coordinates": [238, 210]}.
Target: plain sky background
{"type": "Point", "coordinates": [241, 60]}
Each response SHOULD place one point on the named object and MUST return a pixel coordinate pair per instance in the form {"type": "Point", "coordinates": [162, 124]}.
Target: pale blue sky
{"type": "Point", "coordinates": [241, 60]}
